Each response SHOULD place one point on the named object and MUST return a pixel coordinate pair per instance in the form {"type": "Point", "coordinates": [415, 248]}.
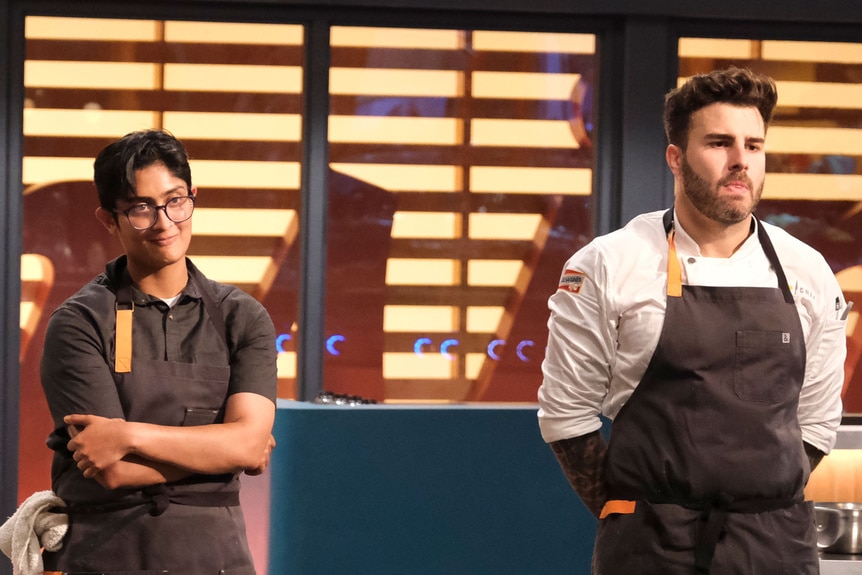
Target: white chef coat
{"type": "Point", "coordinates": [607, 316]}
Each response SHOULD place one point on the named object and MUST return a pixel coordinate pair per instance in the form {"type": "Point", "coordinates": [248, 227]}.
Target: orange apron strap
{"type": "Point", "coordinates": [123, 352]}
{"type": "Point", "coordinates": [621, 506]}
{"type": "Point", "coordinates": [674, 273]}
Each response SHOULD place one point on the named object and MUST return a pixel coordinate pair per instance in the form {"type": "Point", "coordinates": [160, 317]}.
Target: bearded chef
{"type": "Point", "coordinates": [715, 342]}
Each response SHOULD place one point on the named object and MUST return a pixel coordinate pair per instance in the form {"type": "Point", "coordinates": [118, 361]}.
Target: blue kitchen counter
{"type": "Point", "coordinates": [382, 489]}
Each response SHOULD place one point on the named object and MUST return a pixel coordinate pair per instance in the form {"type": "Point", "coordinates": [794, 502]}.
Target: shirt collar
{"type": "Point", "coordinates": [116, 267]}
{"type": "Point", "coordinates": [686, 245]}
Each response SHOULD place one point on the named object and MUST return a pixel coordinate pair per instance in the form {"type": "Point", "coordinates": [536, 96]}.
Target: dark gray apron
{"type": "Point", "coordinates": [194, 526]}
{"type": "Point", "coordinates": [709, 445]}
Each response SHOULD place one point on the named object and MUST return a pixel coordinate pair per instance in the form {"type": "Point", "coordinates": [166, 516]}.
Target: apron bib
{"type": "Point", "coordinates": [709, 446]}
{"type": "Point", "coordinates": [160, 529]}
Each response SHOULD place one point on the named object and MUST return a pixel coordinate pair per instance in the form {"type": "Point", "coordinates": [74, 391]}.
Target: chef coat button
{"type": "Point", "coordinates": [691, 260]}
{"type": "Point", "coordinates": [171, 316]}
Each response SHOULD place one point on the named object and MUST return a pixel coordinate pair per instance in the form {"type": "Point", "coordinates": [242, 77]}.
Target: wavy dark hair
{"type": "Point", "coordinates": [115, 166]}
{"type": "Point", "coordinates": [736, 86]}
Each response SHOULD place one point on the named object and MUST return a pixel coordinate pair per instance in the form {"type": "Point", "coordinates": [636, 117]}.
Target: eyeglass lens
{"type": "Point", "coordinates": [177, 209]}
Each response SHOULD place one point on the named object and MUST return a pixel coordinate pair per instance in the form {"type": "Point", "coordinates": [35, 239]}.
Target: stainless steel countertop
{"type": "Point", "coordinates": [849, 437]}
{"type": "Point", "coordinates": [833, 564]}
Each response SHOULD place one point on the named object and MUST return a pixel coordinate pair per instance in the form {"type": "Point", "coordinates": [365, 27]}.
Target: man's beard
{"type": "Point", "coordinates": [707, 200]}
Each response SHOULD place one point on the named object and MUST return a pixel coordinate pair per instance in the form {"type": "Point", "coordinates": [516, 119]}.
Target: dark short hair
{"type": "Point", "coordinates": [736, 86]}
{"type": "Point", "coordinates": [115, 166]}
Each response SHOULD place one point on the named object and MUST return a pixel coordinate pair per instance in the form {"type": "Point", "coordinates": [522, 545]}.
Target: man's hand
{"type": "Point", "coordinates": [97, 442]}
{"type": "Point", "coordinates": [815, 456]}
{"type": "Point", "coordinates": [264, 460]}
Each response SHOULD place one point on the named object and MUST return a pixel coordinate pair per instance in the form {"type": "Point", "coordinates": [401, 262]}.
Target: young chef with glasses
{"type": "Point", "coordinates": [161, 384]}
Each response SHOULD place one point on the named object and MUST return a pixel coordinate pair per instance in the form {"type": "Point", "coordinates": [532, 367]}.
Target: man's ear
{"type": "Point", "coordinates": [107, 219]}
{"type": "Point", "coordinates": [673, 156]}
{"type": "Point", "coordinates": [193, 191]}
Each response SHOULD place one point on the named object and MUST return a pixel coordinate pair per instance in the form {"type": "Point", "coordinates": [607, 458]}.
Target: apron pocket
{"type": "Point", "coordinates": [199, 416]}
{"type": "Point", "coordinates": [761, 366]}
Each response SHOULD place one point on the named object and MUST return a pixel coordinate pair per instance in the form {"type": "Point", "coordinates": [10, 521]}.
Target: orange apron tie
{"type": "Point", "coordinates": [621, 506]}
{"type": "Point", "coordinates": [123, 352]}
{"type": "Point", "coordinates": [674, 273]}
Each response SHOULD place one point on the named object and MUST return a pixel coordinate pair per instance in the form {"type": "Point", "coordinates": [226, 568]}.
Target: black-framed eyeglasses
{"type": "Point", "coordinates": [144, 216]}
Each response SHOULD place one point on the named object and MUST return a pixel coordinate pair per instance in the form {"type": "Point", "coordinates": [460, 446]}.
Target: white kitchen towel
{"type": "Point", "coordinates": [30, 528]}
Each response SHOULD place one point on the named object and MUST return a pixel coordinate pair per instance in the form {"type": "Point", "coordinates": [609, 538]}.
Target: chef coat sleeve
{"type": "Point", "coordinates": [580, 353]}
{"type": "Point", "coordinates": [820, 404]}
{"type": "Point", "coordinates": [75, 375]}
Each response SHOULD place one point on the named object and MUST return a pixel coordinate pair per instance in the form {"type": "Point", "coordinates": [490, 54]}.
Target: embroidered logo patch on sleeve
{"type": "Point", "coordinates": [572, 281]}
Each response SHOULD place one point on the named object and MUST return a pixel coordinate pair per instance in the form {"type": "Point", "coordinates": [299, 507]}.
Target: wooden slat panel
{"type": "Point", "coordinates": [500, 203]}
{"type": "Point", "coordinates": [460, 249]}
{"type": "Point", "coordinates": [246, 198]}
{"type": "Point", "coordinates": [77, 147]}
{"type": "Point", "coordinates": [460, 155]}
{"type": "Point", "coordinates": [446, 295]}
{"type": "Point", "coordinates": [467, 70]}
{"type": "Point", "coordinates": [344, 105]}
{"type": "Point", "coordinates": [778, 70]}
{"type": "Point", "coordinates": [174, 52]}
{"type": "Point", "coordinates": [427, 59]}
{"type": "Point", "coordinates": [220, 245]}
{"type": "Point", "coordinates": [169, 101]}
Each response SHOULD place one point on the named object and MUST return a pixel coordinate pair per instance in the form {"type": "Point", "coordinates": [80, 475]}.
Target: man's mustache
{"type": "Point", "coordinates": [734, 178]}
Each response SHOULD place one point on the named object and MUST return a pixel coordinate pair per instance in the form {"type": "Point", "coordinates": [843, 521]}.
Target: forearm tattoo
{"type": "Point", "coordinates": [583, 461]}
